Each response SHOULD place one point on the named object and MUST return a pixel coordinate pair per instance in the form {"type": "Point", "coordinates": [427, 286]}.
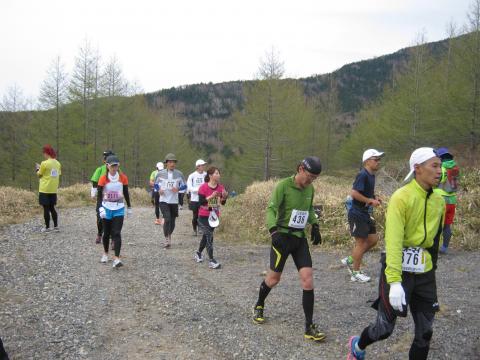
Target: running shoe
{"type": "Point", "coordinates": [98, 240]}
{"type": "Point", "coordinates": [56, 229]}
{"type": "Point", "coordinates": [198, 257]}
{"type": "Point", "coordinates": [117, 263]}
{"type": "Point", "coordinates": [158, 222]}
{"type": "Point", "coordinates": [314, 334]}
{"type": "Point", "coordinates": [45, 230]}
{"type": "Point", "coordinates": [443, 250]}
{"type": "Point", "coordinates": [104, 259]}
{"type": "Point", "coordinates": [258, 315]}
{"type": "Point", "coordinates": [359, 276]}
{"type": "Point", "coordinates": [213, 264]}
{"type": "Point", "coordinates": [352, 353]}
{"type": "Point", "coordinates": [348, 262]}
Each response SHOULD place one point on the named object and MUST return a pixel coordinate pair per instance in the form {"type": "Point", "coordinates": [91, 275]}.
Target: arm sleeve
{"type": "Point", "coordinates": [99, 196]}
{"type": "Point", "coordinates": [126, 195]}
{"type": "Point", "coordinates": [273, 206]}
{"type": "Point", "coordinates": [190, 183]}
{"type": "Point", "coordinates": [394, 235]}
{"type": "Point", "coordinates": [312, 219]}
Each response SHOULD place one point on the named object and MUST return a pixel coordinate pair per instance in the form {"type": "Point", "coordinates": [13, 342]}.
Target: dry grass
{"type": "Point", "coordinates": [17, 205]}
{"type": "Point", "coordinates": [243, 219]}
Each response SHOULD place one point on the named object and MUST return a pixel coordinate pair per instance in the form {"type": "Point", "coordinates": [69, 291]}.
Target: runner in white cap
{"type": "Point", "coordinates": [362, 224]}
{"type": "Point", "coordinates": [407, 280]}
{"type": "Point", "coordinates": [194, 181]}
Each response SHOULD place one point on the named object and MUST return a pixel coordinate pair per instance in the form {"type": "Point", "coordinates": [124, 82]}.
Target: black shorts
{"type": "Point", "coordinates": [420, 292]}
{"type": "Point", "coordinates": [169, 210]}
{"type": "Point", "coordinates": [284, 245]}
{"type": "Point", "coordinates": [45, 199]}
{"type": "Point", "coordinates": [361, 226]}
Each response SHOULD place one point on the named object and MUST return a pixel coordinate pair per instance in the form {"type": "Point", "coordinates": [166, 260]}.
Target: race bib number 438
{"type": "Point", "coordinates": [413, 260]}
{"type": "Point", "coordinates": [298, 219]}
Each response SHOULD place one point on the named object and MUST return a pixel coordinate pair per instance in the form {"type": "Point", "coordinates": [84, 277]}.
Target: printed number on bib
{"type": "Point", "coordinates": [298, 219]}
{"type": "Point", "coordinates": [170, 185]}
{"type": "Point", "coordinates": [199, 181]}
{"type": "Point", "coordinates": [54, 173]}
{"type": "Point", "coordinates": [113, 196]}
{"type": "Point", "coordinates": [413, 260]}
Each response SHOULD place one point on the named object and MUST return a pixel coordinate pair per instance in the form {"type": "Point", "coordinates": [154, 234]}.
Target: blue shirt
{"type": "Point", "coordinates": [365, 184]}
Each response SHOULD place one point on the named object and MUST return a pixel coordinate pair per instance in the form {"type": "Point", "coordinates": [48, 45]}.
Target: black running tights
{"type": "Point", "coordinates": [47, 210]}
{"type": "Point", "coordinates": [113, 228]}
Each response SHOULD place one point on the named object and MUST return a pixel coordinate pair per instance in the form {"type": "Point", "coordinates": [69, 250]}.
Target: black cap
{"type": "Point", "coordinates": [312, 165]}
{"type": "Point", "coordinates": [112, 160]}
{"type": "Point", "coordinates": [107, 153]}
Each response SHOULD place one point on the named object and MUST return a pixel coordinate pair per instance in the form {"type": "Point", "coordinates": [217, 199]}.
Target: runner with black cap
{"type": "Point", "coordinates": [101, 170]}
{"type": "Point", "coordinates": [111, 198]}
{"type": "Point", "coordinates": [360, 220]}
{"type": "Point", "coordinates": [289, 211]}
{"type": "Point", "coordinates": [407, 278]}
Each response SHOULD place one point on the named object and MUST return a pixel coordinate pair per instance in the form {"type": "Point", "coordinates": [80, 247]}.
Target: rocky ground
{"type": "Point", "coordinates": [57, 301]}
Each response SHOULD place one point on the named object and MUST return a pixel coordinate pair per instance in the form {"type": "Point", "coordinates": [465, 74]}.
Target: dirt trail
{"type": "Point", "coordinates": [58, 302]}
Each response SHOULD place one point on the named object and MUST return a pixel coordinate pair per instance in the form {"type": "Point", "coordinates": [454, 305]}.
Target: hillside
{"type": "Point", "coordinates": [207, 106]}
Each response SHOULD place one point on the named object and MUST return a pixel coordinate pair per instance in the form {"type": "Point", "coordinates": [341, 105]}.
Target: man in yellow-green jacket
{"type": "Point", "coordinates": [412, 233]}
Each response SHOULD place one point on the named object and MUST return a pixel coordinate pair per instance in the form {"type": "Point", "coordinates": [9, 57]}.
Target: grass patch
{"type": "Point", "coordinates": [243, 219]}
{"type": "Point", "coordinates": [18, 205]}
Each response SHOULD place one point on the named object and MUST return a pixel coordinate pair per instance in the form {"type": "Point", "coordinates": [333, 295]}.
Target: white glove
{"type": "Point", "coordinates": [397, 296]}
{"type": "Point", "coordinates": [129, 212]}
{"type": "Point", "coordinates": [102, 212]}
{"type": "Point", "coordinates": [93, 193]}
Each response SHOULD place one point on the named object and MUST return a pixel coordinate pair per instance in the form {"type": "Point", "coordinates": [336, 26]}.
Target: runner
{"type": "Point", "coordinates": [412, 234]}
{"type": "Point", "coordinates": [362, 224]}
{"type": "Point", "coordinates": [169, 181]}
{"type": "Point", "coordinates": [211, 194]}
{"type": "Point", "coordinates": [49, 172]}
{"type": "Point", "coordinates": [101, 170]}
{"type": "Point", "coordinates": [289, 211]}
{"type": "Point", "coordinates": [194, 181]}
{"type": "Point", "coordinates": [155, 194]}
{"type": "Point", "coordinates": [181, 196]}
{"type": "Point", "coordinates": [112, 192]}
{"type": "Point", "coordinates": [448, 188]}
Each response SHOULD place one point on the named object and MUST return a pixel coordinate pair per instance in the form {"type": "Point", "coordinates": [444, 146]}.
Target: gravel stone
{"type": "Point", "coordinates": [57, 301]}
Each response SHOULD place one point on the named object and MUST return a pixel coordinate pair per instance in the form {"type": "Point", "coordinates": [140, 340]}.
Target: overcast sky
{"type": "Point", "coordinates": [161, 44]}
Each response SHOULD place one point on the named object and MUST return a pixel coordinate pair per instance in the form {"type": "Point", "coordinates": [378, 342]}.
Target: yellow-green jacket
{"type": "Point", "coordinates": [414, 219]}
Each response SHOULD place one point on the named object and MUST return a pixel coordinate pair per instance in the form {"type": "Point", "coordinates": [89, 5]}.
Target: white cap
{"type": "Point", "coordinates": [160, 165]}
{"type": "Point", "coordinates": [200, 162]}
{"type": "Point", "coordinates": [213, 220]}
{"type": "Point", "coordinates": [419, 156]}
{"type": "Point", "coordinates": [367, 154]}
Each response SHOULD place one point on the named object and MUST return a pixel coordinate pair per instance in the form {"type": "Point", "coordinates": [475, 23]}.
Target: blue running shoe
{"type": "Point", "coordinates": [352, 353]}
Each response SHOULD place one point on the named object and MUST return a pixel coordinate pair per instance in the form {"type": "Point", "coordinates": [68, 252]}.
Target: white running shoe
{"type": "Point", "coordinates": [198, 257]}
{"type": "Point", "coordinates": [117, 263]}
{"type": "Point", "coordinates": [104, 259]}
{"type": "Point", "coordinates": [45, 230]}
{"type": "Point", "coordinates": [213, 264]}
{"type": "Point", "coordinates": [359, 276]}
{"type": "Point", "coordinates": [56, 229]}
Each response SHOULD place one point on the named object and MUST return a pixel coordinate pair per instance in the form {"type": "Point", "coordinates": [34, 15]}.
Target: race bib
{"type": "Point", "coordinates": [113, 196]}
{"type": "Point", "coordinates": [413, 260]}
{"type": "Point", "coordinates": [170, 184]}
{"type": "Point", "coordinates": [198, 181]}
{"type": "Point", "coordinates": [54, 173]}
{"type": "Point", "coordinates": [298, 219]}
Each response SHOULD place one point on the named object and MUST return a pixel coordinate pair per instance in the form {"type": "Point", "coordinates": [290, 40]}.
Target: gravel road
{"type": "Point", "coordinates": [57, 301]}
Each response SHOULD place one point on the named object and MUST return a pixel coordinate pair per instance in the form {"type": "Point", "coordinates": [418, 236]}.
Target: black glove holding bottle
{"type": "Point", "coordinates": [315, 235]}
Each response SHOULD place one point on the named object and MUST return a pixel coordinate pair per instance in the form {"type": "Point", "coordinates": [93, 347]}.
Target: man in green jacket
{"type": "Point", "coordinates": [288, 212]}
{"type": "Point", "coordinates": [412, 233]}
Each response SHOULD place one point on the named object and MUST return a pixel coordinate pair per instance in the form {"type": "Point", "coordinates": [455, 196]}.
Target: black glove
{"type": "Point", "coordinates": [315, 235]}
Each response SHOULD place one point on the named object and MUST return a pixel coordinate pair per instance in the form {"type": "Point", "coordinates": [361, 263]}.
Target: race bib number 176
{"type": "Point", "coordinates": [413, 260]}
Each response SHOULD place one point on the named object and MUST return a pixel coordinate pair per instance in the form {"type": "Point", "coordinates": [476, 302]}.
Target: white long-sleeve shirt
{"type": "Point", "coordinates": [194, 181]}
